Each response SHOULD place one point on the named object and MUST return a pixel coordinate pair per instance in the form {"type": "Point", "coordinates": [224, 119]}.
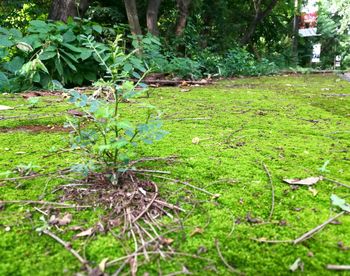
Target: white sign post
{"type": "Point", "coordinates": [316, 53]}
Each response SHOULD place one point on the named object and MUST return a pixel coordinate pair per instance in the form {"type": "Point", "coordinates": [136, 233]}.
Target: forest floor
{"type": "Point", "coordinates": [238, 138]}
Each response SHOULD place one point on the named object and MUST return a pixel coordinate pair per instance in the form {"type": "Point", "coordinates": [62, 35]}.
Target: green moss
{"type": "Point", "coordinates": [293, 124]}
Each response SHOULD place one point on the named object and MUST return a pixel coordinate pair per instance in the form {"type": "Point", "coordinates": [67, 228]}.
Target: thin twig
{"type": "Point", "coordinates": [188, 119]}
{"type": "Point", "coordinates": [232, 269]}
{"type": "Point", "coordinates": [186, 184]}
{"type": "Point", "coordinates": [149, 171]}
{"type": "Point", "coordinates": [338, 267]}
{"type": "Point", "coordinates": [113, 262]}
{"type": "Point", "coordinates": [337, 182]}
{"type": "Point", "coordinates": [69, 248]}
{"type": "Point", "coordinates": [41, 211]}
{"type": "Point", "coordinates": [272, 241]}
{"type": "Point", "coordinates": [313, 231]}
{"type": "Point", "coordinates": [149, 204]}
{"type": "Point", "coordinates": [272, 192]}
{"type": "Point", "coordinates": [42, 203]}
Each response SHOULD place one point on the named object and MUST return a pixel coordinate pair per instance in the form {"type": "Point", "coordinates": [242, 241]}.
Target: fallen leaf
{"type": "Point", "coordinates": [250, 219]}
{"type": "Point", "coordinates": [307, 181]}
{"type": "Point", "coordinates": [197, 230]}
{"type": "Point", "coordinates": [76, 228]}
{"type": "Point", "coordinates": [5, 107]}
{"type": "Point", "coordinates": [102, 265]}
{"type": "Point", "coordinates": [66, 219]}
{"type": "Point", "coordinates": [297, 264]}
{"type": "Point", "coordinates": [310, 254]}
{"type": "Point", "coordinates": [142, 191]}
{"type": "Point", "coordinates": [341, 203]}
{"type": "Point", "coordinates": [195, 140]}
{"type": "Point", "coordinates": [202, 249]}
{"type": "Point", "coordinates": [76, 113]}
{"type": "Point", "coordinates": [87, 232]}
{"type": "Point", "coordinates": [313, 191]}
{"type": "Point", "coordinates": [167, 241]}
{"type": "Point", "coordinates": [342, 246]}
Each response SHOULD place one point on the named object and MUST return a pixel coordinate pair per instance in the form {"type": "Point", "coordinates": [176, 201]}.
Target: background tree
{"type": "Point", "coordinates": [62, 9]}
{"type": "Point", "coordinates": [133, 18]}
{"type": "Point", "coordinates": [152, 16]}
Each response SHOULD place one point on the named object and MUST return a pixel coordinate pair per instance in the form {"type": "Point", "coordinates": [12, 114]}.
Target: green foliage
{"type": "Point", "coordinates": [108, 138]}
{"type": "Point", "coordinates": [47, 52]}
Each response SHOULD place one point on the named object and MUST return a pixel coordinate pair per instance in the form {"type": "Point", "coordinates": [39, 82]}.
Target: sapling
{"type": "Point", "coordinates": [107, 139]}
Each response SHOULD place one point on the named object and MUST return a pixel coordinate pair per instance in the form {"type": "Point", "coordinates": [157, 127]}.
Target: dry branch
{"type": "Point", "coordinates": [232, 269]}
{"type": "Point", "coordinates": [68, 246]}
{"type": "Point", "coordinates": [337, 182]}
{"type": "Point", "coordinates": [272, 192]}
{"type": "Point", "coordinates": [63, 205]}
{"type": "Point", "coordinates": [338, 267]}
{"type": "Point", "coordinates": [313, 231]}
{"type": "Point", "coordinates": [186, 184]}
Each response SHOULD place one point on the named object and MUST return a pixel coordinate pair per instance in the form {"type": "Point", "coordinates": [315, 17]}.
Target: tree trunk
{"type": "Point", "coordinates": [131, 11]}
{"type": "Point", "coordinates": [183, 6]}
{"type": "Point", "coordinates": [62, 9]}
{"type": "Point", "coordinates": [83, 7]}
{"type": "Point", "coordinates": [295, 34]}
{"type": "Point", "coordinates": [258, 18]}
{"type": "Point", "coordinates": [152, 16]}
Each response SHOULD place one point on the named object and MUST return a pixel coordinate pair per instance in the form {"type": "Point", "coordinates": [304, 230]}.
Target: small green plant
{"type": "Point", "coordinates": [107, 139]}
{"type": "Point", "coordinates": [33, 102]}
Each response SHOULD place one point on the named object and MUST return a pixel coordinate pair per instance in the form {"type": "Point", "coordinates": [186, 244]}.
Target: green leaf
{"type": "Point", "coordinates": [85, 54]}
{"type": "Point", "coordinates": [127, 67]}
{"type": "Point", "coordinates": [58, 66]}
{"type": "Point", "coordinates": [97, 28]}
{"type": "Point", "coordinates": [36, 77]}
{"type": "Point", "coordinates": [38, 24]}
{"type": "Point", "coordinates": [69, 63]}
{"type": "Point", "coordinates": [5, 42]}
{"type": "Point", "coordinates": [15, 33]}
{"type": "Point", "coordinates": [14, 65]}
{"type": "Point", "coordinates": [69, 36]}
{"type": "Point", "coordinates": [4, 82]}
{"type": "Point", "coordinates": [90, 75]}
{"type": "Point", "coordinates": [72, 48]}
{"type": "Point", "coordinates": [69, 55]}
{"type": "Point", "coordinates": [47, 55]}
{"type": "Point", "coordinates": [339, 202]}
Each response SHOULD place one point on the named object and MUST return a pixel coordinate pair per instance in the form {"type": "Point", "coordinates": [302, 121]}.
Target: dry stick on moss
{"type": "Point", "coordinates": [312, 232]}
{"type": "Point", "coordinates": [62, 205]}
{"type": "Point", "coordinates": [338, 267]}
{"type": "Point", "coordinates": [272, 192]}
{"type": "Point", "coordinates": [272, 241]}
{"type": "Point", "coordinates": [336, 182]}
{"type": "Point", "coordinates": [232, 269]}
{"type": "Point", "coordinates": [149, 171]}
{"type": "Point", "coordinates": [149, 205]}
{"type": "Point", "coordinates": [169, 253]}
{"type": "Point", "coordinates": [68, 246]}
{"type": "Point", "coordinates": [186, 184]}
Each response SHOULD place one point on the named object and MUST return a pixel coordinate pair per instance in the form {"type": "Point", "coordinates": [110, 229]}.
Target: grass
{"type": "Point", "coordinates": [292, 124]}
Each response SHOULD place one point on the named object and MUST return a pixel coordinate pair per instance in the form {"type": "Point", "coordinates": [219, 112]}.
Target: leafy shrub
{"type": "Point", "coordinates": [48, 51]}
{"type": "Point", "coordinates": [108, 140]}
{"type": "Point", "coordinates": [183, 68]}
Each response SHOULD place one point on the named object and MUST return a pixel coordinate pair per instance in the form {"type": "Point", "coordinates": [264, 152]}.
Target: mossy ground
{"type": "Point", "coordinates": [292, 124]}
